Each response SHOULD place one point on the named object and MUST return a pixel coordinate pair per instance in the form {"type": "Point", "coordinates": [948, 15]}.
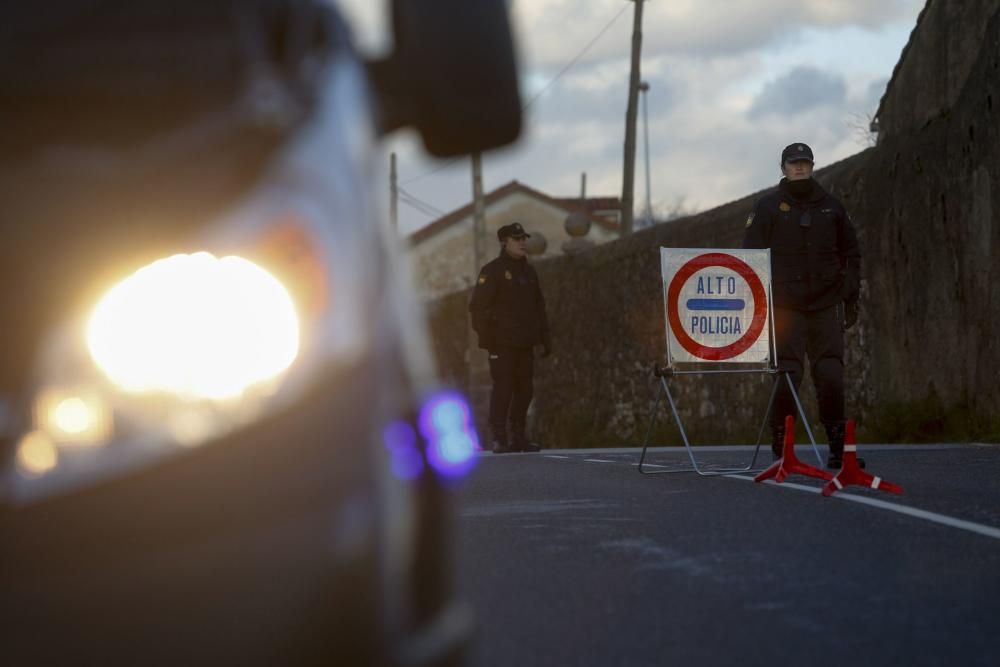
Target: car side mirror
{"type": "Point", "coordinates": [452, 75]}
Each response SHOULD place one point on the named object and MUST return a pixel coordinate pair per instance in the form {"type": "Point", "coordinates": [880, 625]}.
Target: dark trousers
{"type": "Point", "coordinates": [817, 335]}
{"type": "Point", "coordinates": [511, 369]}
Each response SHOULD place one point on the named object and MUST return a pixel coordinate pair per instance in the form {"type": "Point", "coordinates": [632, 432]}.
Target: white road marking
{"type": "Point", "coordinates": [934, 517]}
{"type": "Point", "coordinates": [649, 465]}
{"type": "Point", "coordinates": [550, 456]}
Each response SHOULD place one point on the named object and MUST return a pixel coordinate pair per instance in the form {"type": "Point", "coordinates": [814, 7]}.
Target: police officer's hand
{"type": "Point", "coordinates": [850, 314]}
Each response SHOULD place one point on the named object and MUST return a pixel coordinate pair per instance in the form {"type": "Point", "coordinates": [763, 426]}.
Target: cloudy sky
{"type": "Point", "coordinates": [730, 83]}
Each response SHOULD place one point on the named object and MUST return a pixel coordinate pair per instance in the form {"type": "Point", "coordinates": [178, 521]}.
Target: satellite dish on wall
{"type": "Point", "coordinates": [537, 244]}
{"type": "Point", "coordinates": [577, 223]}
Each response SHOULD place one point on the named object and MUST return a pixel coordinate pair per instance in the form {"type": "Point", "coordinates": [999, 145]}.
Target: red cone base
{"type": "Point", "coordinates": [788, 464]}
{"type": "Point", "coordinates": [850, 473]}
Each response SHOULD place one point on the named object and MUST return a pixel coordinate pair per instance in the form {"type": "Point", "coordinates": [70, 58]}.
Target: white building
{"type": "Point", "coordinates": [443, 251]}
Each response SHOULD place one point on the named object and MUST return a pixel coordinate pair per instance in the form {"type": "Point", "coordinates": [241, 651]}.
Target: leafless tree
{"type": "Point", "coordinates": [664, 212]}
{"type": "Point", "coordinates": [860, 125]}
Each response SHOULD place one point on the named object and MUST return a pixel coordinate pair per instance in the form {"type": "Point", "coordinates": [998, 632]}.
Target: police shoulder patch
{"type": "Point", "coordinates": [750, 219]}
{"type": "Point", "coordinates": [784, 206]}
{"type": "Point", "coordinates": [506, 274]}
{"type": "Point", "coordinates": [482, 279]}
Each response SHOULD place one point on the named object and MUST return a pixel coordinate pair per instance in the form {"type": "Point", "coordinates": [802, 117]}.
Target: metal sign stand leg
{"type": "Point", "coordinates": [802, 415]}
{"type": "Point", "coordinates": [664, 388]}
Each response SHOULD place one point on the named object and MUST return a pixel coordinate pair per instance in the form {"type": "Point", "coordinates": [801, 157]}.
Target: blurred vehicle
{"type": "Point", "coordinates": [224, 439]}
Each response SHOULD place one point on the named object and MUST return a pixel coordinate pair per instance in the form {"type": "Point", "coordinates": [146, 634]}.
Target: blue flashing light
{"type": "Point", "coordinates": [446, 423]}
{"type": "Point", "coordinates": [404, 455]}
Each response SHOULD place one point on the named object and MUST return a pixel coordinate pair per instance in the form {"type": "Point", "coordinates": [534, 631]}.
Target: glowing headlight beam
{"type": "Point", "coordinates": [72, 415]}
{"type": "Point", "coordinates": [77, 416]}
{"type": "Point", "coordinates": [36, 454]}
{"type": "Point", "coordinates": [195, 326]}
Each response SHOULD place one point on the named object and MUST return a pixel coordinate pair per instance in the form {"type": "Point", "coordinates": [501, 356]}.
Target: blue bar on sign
{"type": "Point", "coordinates": [716, 304]}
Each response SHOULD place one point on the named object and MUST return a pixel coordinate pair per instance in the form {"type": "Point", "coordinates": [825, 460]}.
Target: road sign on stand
{"type": "Point", "coordinates": [717, 308]}
{"type": "Point", "coordinates": [717, 305]}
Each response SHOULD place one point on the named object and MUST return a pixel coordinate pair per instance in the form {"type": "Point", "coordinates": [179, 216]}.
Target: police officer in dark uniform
{"type": "Point", "coordinates": [815, 280]}
{"type": "Point", "coordinates": [508, 315]}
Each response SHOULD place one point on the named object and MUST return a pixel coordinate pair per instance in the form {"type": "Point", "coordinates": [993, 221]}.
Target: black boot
{"type": "Point", "coordinates": [835, 434]}
{"type": "Point", "coordinates": [500, 444]}
{"type": "Point", "coordinates": [519, 440]}
{"type": "Point", "coordinates": [777, 441]}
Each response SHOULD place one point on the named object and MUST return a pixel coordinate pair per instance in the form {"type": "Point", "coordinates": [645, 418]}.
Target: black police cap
{"type": "Point", "coordinates": [514, 229]}
{"type": "Point", "coordinates": [796, 153]}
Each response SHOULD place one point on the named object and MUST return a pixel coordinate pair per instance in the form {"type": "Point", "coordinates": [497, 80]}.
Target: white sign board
{"type": "Point", "coordinates": [717, 305]}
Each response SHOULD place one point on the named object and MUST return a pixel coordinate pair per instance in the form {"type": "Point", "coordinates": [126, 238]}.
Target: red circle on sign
{"type": "Point", "coordinates": [759, 306]}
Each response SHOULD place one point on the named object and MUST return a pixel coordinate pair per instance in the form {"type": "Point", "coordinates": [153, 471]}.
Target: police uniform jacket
{"type": "Point", "coordinates": [815, 261]}
{"type": "Point", "coordinates": [507, 306]}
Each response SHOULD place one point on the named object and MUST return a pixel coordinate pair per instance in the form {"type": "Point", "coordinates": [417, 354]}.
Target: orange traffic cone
{"type": "Point", "coordinates": [850, 473]}
{"type": "Point", "coordinates": [788, 464]}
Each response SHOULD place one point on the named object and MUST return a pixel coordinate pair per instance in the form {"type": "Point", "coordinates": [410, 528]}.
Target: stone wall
{"type": "Point", "coordinates": [932, 197]}
{"type": "Point", "coordinates": [923, 361]}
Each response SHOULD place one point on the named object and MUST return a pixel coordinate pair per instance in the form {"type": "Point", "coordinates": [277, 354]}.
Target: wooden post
{"type": "Point", "coordinates": [393, 193]}
{"type": "Point", "coordinates": [628, 169]}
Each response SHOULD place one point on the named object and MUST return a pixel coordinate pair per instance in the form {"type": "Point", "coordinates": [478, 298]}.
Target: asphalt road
{"type": "Point", "coordinates": [573, 558]}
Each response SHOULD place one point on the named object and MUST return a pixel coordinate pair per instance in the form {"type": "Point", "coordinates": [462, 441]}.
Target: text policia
{"type": "Point", "coordinates": [721, 323]}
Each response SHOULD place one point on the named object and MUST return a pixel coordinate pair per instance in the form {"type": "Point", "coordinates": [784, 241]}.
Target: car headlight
{"type": "Point", "coordinates": [193, 330]}
{"type": "Point", "coordinates": [180, 352]}
{"type": "Point", "coordinates": [195, 326]}
{"type": "Point", "coordinates": [279, 291]}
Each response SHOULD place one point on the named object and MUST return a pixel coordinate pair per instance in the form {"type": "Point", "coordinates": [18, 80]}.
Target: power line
{"type": "Point", "coordinates": [432, 171]}
{"type": "Point", "coordinates": [575, 58]}
{"type": "Point", "coordinates": [417, 207]}
{"type": "Point", "coordinates": [527, 104]}
{"type": "Point", "coordinates": [418, 204]}
{"type": "Point", "coordinates": [413, 197]}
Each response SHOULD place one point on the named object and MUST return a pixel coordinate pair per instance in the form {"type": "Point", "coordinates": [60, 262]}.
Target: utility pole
{"type": "Point", "coordinates": [644, 89]}
{"type": "Point", "coordinates": [479, 215]}
{"type": "Point", "coordinates": [628, 175]}
{"type": "Point", "coordinates": [393, 193]}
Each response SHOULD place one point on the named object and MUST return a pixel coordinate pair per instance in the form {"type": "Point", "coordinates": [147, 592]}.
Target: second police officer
{"type": "Point", "coordinates": [508, 315]}
{"type": "Point", "coordinates": [816, 267]}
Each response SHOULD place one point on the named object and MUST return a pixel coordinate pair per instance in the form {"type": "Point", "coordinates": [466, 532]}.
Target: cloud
{"type": "Point", "coordinates": [874, 93]}
{"type": "Point", "coordinates": [800, 90]}
{"type": "Point", "coordinates": [710, 137]}
{"type": "Point", "coordinates": [713, 137]}
{"type": "Point", "coordinates": [728, 89]}
{"type": "Point", "coordinates": [551, 32]}
{"type": "Point", "coordinates": [600, 91]}
{"type": "Point", "coordinates": [554, 31]}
